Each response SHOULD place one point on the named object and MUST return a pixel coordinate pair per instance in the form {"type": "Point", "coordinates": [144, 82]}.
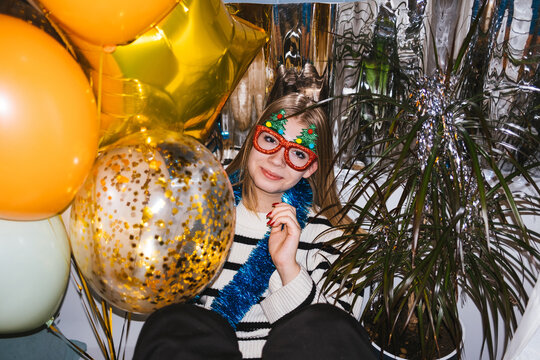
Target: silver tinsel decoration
{"type": "Point", "coordinates": [434, 102]}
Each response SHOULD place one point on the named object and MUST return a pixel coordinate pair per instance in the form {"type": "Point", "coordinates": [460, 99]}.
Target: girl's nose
{"type": "Point", "coordinates": [278, 158]}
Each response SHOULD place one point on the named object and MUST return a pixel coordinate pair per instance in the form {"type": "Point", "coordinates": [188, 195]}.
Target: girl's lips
{"type": "Point", "coordinates": [270, 175]}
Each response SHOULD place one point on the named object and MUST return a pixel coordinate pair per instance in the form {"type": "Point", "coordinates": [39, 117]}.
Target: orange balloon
{"type": "Point", "coordinates": [107, 22]}
{"type": "Point", "coordinates": [48, 123]}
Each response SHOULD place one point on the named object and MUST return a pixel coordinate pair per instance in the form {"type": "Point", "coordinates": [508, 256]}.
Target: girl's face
{"type": "Point", "coordinates": [270, 173]}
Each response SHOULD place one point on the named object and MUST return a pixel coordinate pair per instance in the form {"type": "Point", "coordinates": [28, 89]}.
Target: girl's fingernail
{"type": "Point", "coordinates": [274, 204]}
{"type": "Point", "coordinates": [268, 215]}
{"type": "Point", "coordinates": [268, 223]}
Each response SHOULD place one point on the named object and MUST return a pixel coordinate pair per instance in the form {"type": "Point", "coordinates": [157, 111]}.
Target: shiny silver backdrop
{"type": "Point", "coordinates": [371, 44]}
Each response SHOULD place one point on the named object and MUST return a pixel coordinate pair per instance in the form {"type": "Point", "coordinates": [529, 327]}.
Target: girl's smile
{"type": "Point", "coordinates": [270, 175]}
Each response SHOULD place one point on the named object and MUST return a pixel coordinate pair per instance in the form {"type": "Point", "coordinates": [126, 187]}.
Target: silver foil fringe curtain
{"type": "Point", "coordinates": [355, 45]}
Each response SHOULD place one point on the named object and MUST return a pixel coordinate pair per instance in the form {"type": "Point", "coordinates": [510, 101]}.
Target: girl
{"type": "Point", "coordinates": [267, 301]}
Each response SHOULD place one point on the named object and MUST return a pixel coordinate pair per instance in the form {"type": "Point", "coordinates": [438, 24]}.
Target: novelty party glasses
{"type": "Point", "coordinates": [296, 156]}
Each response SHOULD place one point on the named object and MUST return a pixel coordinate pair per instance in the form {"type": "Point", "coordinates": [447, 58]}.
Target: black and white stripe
{"type": "Point", "coordinates": [314, 259]}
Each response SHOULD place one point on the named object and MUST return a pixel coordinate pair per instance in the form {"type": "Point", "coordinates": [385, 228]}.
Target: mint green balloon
{"type": "Point", "coordinates": [34, 272]}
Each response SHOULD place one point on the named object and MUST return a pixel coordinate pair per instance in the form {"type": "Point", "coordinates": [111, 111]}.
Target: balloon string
{"type": "Point", "coordinates": [125, 328]}
{"type": "Point", "coordinates": [105, 321]}
{"type": "Point", "coordinates": [107, 312]}
{"type": "Point", "coordinates": [90, 315]}
{"type": "Point", "coordinates": [96, 315]}
{"type": "Point", "coordinates": [55, 331]}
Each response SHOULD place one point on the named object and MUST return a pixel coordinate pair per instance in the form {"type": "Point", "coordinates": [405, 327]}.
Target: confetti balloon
{"type": "Point", "coordinates": [154, 221]}
{"type": "Point", "coordinates": [181, 71]}
{"type": "Point", "coordinates": [35, 260]}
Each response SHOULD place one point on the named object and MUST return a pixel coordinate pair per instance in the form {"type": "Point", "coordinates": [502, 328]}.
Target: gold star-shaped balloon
{"type": "Point", "coordinates": [177, 76]}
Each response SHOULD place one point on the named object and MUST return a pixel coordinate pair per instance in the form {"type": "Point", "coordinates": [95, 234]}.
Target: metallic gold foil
{"type": "Point", "coordinates": [179, 73]}
{"type": "Point", "coordinates": [154, 221]}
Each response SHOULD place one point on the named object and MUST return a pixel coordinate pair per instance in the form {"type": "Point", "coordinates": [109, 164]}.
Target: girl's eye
{"type": "Point", "coordinates": [270, 139]}
{"type": "Point", "coordinates": [300, 154]}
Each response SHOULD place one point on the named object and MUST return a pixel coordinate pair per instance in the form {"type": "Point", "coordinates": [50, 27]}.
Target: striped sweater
{"type": "Point", "coordinates": [277, 300]}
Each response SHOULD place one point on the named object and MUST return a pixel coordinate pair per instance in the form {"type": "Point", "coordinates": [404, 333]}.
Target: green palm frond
{"type": "Point", "coordinates": [437, 215]}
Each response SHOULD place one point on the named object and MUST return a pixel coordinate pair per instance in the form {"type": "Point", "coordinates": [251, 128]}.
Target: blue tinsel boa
{"type": "Point", "coordinates": [251, 280]}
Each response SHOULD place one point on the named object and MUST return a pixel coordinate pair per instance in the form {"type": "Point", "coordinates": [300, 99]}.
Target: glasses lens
{"type": "Point", "coordinates": [267, 141]}
{"type": "Point", "coordinates": [298, 157]}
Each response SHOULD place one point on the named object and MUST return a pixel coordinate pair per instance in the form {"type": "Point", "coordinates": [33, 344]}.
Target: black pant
{"type": "Point", "coordinates": [188, 332]}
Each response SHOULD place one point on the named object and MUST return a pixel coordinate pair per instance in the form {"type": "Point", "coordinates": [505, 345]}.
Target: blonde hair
{"type": "Point", "coordinates": [322, 182]}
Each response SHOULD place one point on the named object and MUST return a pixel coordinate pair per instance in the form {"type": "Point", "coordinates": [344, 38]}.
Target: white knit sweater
{"type": "Point", "coordinates": [277, 300]}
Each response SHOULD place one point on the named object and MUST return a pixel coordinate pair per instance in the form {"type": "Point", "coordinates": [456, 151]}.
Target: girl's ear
{"type": "Point", "coordinates": [311, 169]}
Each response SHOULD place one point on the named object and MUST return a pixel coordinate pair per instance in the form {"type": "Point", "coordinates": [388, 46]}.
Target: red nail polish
{"type": "Point", "coordinates": [274, 204]}
{"type": "Point", "coordinates": [268, 215]}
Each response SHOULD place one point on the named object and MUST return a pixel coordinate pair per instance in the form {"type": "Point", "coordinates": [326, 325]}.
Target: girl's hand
{"type": "Point", "coordinates": [283, 240]}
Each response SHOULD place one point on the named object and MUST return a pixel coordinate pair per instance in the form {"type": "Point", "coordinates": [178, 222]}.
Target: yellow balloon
{"type": "Point", "coordinates": [154, 221]}
{"type": "Point", "coordinates": [181, 71]}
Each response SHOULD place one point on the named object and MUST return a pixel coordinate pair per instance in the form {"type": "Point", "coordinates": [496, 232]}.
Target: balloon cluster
{"type": "Point", "coordinates": [95, 120]}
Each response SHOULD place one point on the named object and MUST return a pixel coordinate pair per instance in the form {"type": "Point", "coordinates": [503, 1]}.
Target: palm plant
{"type": "Point", "coordinates": [437, 215]}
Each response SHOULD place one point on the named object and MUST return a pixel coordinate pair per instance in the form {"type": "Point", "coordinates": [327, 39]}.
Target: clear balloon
{"type": "Point", "coordinates": [185, 67]}
{"type": "Point", "coordinates": [107, 22]}
{"type": "Point", "coordinates": [154, 221]}
{"type": "Point", "coordinates": [48, 123]}
{"type": "Point", "coordinates": [34, 271]}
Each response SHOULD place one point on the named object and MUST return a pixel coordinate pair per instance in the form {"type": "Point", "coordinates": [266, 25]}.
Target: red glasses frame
{"type": "Point", "coordinates": [286, 144]}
